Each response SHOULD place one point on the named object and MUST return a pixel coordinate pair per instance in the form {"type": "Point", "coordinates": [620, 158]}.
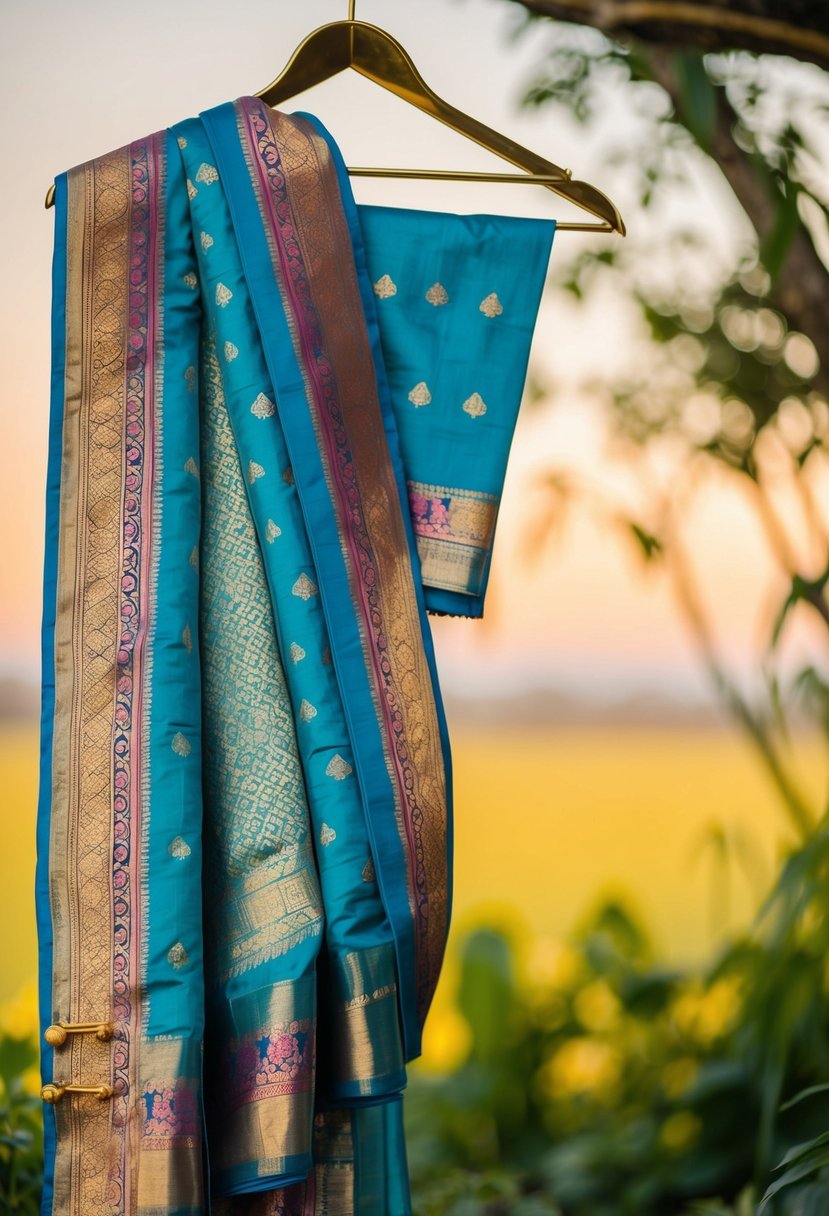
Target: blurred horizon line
{"type": "Point", "coordinates": [542, 703]}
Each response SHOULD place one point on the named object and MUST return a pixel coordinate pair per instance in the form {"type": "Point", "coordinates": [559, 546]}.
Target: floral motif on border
{"type": "Point", "coordinates": [170, 1115]}
{"type": "Point", "coordinates": [276, 1060]}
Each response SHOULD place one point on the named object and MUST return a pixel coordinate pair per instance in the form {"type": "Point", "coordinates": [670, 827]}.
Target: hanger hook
{"type": "Point", "coordinates": [352, 4]}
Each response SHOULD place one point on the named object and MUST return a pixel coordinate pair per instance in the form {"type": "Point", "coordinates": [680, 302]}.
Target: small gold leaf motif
{"type": "Point", "coordinates": [190, 377]}
{"type": "Point", "coordinates": [262, 407]}
{"type": "Point", "coordinates": [179, 848]}
{"type": "Point", "coordinates": [304, 587]}
{"type": "Point", "coordinates": [223, 295]}
{"type": "Point", "coordinates": [326, 657]}
{"type": "Point", "coordinates": [272, 531]}
{"type": "Point", "coordinates": [288, 476]}
{"type": "Point", "coordinates": [192, 468]}
{"type": "Point", "coordinates": [206, 240]}
{"type": "Point", "coordinates": [177, 956]}
{"type": "Point", "coordinates": [191, 189]}
{"type": "Point", "coordinates": [180, 745]}
{"type": "Point", "coordinates": [194, 557]}
{"type": "Point", "coordinates": [306, 710]}
{"type": "Point", "coordinates": [437, 295]}
{"type": "Point", "coordinates": [368, 872]}
{"type": "Point", "coordinates": [420, 394]}
{"type": "Point", "coordinates": [296, 652]}
{"type": "Point", "coordinates": [491, 306]}
{"type": "Point", "coordinates": [191, 280]}
{"type": "Point", "coordinates": [207, 174]}
{"type": "Point", "coordinates": [474, 406]}
{"type": "Point", "coordinates": [255, 471]}
{"type": "Point", "coordinates": [327, 834]}
{"type": "Point", "coordinates": [182, 142]}
{"type": "Point", "coordinates": [187, 639]}
{"type": "Point", "coordinates": [231, 352]}
{"type": "Point", "coordinates": [385, 287]}
{"type": "Point", "coordinates": [338, 768]}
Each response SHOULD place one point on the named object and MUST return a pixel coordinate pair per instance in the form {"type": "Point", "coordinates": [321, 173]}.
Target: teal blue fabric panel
{"type": "Point", "coordinates": [457, 298]}
{"type": "Point", "coordinates": [47, 713]}
{"type": "Point", "coordinates": [381, 1177]}
{"type": "Point", "coordinates": [173, 832]}
{"type": "Point", "coordinates": [288, 394]}
{"type": "Point", "coordinates": [355, 914]}
{"type": "Point", "coordinates": [355, 919]}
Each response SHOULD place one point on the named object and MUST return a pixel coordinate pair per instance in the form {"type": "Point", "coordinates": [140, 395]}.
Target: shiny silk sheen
{"type": "Point", "coordinates": [279, 432]}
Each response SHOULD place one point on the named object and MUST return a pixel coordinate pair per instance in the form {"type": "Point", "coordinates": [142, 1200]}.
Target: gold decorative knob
{"type": "Point", "coordinates": [54, 1093]}
{"type": "Point", "coordinates": [56, 1034]}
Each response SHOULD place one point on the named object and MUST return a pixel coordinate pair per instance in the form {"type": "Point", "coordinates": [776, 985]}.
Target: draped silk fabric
{"type": "Point", "coordinates": [279, 429]}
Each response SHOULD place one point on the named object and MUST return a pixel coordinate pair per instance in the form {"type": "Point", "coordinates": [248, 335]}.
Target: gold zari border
{"type": "Point", "coordinates": [90, 1132]}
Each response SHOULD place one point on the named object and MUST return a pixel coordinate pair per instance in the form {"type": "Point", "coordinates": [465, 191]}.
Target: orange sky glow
{"type": "Point", "coordinates": [582, 612]}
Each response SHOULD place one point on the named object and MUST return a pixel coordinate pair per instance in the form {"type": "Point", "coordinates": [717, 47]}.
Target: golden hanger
{"type": "Point", "coordinates": [369, 50]}
{"type": "Point", "coordinates": [372, 52]}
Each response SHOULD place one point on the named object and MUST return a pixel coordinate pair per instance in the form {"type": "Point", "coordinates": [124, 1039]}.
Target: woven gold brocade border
{"type": "Point", "coordinates": [334, 1164]}
{"type": "Point", "coordinates": [89, 1132]}
{"type": "Point", "coordinates": [365, 1047]}
{"type": "Point", "coordinates": [453, 529]}
{"type": "Point", "coordinates": [450, 566]}
{"type": "Point", "coordinates": [170, 1165]}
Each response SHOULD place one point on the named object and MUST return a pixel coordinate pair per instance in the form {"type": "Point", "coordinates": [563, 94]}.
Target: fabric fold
{"type": "Point", "coordinates": [244, 826]}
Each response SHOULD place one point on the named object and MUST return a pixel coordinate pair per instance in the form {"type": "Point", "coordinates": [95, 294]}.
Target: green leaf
{"type": "Point", "coordinates": [805, 1093]}
{"type": "Point", "coordinates": [802, 1150]}
{"type": "Point", "coordinates": [650, 545]}
{"type": "Point", "coordinates": [697, 97]}
{"type": "Point", "coordinates": [776, 243]}
{"type": "Point", "coordinates": [806, 1167]}
{"type": "Point", "coordinates": [486, 992]}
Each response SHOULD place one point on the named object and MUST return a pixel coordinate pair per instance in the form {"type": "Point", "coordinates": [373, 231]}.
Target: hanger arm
{"type": "Point", "coordinates": [373, 53]}
{"type": "Point", "coordinates": [379, 57]}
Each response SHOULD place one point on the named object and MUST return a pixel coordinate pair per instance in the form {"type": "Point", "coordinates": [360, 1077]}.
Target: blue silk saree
{"type": "Point", "coordinates": [279, 430]}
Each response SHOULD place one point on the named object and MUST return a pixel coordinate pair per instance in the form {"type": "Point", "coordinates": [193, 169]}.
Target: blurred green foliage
{"type": "Point", "coordinates": [21, 1158]}
{"type": "Point", "coordinates": [600, 1083]}
{"type": "Point", "coordinates": [621, 1088]}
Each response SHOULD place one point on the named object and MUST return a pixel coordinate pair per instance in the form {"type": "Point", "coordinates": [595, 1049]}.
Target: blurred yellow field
{"type": "Point", "coordinates": [547, 823]}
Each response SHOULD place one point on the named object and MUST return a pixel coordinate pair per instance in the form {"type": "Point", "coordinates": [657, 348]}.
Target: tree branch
{"type": "Point", "coordinates": [799, 291]}
{"type": "Point", "coordinates": [775, 27]}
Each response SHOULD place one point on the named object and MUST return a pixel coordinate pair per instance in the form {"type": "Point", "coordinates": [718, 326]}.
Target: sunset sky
{"type": "Point", "coordinates": [78, 80]}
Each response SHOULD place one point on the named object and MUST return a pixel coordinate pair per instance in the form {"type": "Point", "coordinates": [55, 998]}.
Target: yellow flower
{"type": "Point", "coordinates": [554, 964]}
{"type": "Point", "coordinates": [31, 1082]}
{"type": "Point", "coordinates": [705, 1014]}
{"type": "Point", "coordinates": [596, 1006]}
{"type": "Point", "coordinates": [680, 1130]}
{"type": "Point", "coordinates": [678, 1075]}
{"type": "Point", "coordinates": [446, 1041]}
{"type": "Point", "coordinates": [18, 1017]}
{"type": "Point", "coordinates": [581, 1065]}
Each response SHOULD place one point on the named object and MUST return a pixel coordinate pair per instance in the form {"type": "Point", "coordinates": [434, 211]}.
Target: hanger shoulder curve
{"type": "Point", "coordinates": [375, 54]}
